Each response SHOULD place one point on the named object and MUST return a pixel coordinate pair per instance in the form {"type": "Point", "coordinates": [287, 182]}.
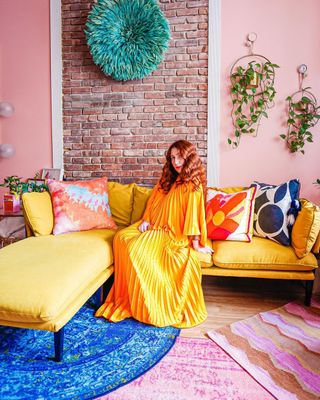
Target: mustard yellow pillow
{"type": "Point", "coordinates": [140, 198]}
{"type": "Point", "coordinates": [120, 202]}
{"type": "Point", "coordinates": [306, 228]}
{"type": "Point", "coordinates": [38, 212]}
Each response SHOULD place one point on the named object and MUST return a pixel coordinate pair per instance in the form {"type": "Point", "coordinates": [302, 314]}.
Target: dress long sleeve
{"type": "Point", "coordinates": [195, 221]}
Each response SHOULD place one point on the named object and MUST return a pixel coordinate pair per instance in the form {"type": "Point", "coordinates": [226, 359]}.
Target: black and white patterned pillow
{"type": "Point", "coordinates": [275, 210]}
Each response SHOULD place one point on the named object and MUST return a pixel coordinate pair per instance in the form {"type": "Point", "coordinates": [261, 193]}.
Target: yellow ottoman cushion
{"type": "Point", "coordinates": [40, 276]}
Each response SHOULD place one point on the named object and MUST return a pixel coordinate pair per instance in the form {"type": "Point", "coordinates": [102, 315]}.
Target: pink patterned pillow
{"type": "Point", "coordinates": [80, 205]}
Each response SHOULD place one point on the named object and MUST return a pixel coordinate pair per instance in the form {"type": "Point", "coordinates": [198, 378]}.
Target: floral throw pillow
{"type": "Point", "coordinates": [275, 210]}
{"type": "Point", "coordinates": [80, 205]}
{"type": "Point", "coordinates": [229, 216]}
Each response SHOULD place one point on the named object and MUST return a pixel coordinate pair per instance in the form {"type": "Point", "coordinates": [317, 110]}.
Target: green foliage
{"type": "Point", "coordinates": [17, 187]}
{"type": "Point", "coordinates": [127, 38]}
{"type": "Point", "coordinates": [252, 93]}
{"type": "Point", "coordinates": [302, 116]}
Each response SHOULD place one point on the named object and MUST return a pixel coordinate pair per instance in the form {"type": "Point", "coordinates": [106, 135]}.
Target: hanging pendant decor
{"type": "Point", "coordinates": [303, 114]}
{"type": "Point", "coordinates": [127, 38]}
{"type": "Point", "coordinates": [252, 92]}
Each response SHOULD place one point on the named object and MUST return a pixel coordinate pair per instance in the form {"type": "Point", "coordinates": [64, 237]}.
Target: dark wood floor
{"type": "Point", "coordinates": [232, 299]}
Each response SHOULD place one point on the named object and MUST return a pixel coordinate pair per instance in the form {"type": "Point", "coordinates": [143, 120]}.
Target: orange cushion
{"type": "Point", "coordinates": [229, 215]}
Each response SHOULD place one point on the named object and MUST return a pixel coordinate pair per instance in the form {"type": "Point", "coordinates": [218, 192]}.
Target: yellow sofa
{"type": "Point", "coordinates": [46, 278]}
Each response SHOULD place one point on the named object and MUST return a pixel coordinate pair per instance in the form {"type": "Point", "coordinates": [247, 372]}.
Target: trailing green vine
{"type": "Point", "coordinates": [303, 115]}
{"type": "Point", "coordinates": [252, 92]}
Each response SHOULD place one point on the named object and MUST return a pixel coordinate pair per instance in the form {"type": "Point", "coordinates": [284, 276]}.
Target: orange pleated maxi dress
{"type": "Point", "coordinates": [157, 273]}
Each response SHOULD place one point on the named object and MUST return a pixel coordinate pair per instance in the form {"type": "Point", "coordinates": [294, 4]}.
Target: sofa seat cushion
{"type": "Point", "coordinates": [40, 276]}
{"type": "Point", "coordinates": [260, 254]}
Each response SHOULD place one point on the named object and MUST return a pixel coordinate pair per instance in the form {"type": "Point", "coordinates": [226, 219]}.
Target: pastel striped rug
{"type": "Point", "coordinates": [279, 348]}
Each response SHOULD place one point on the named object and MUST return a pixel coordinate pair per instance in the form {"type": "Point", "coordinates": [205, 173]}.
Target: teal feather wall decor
{"type": "Point", "coordinates": [127, 38]}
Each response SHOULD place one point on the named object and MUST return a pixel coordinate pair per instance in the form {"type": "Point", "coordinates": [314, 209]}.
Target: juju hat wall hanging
{"type": "Point", "coordinates": [127, 38]}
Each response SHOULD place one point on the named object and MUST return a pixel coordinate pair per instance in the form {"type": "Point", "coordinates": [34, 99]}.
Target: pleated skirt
{"type": "Point", "coordinates": [157, 280]}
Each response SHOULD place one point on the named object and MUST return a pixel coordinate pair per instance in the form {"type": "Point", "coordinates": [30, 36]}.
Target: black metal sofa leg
{"type": "Point", "coordinates": [58, 344]}
{"type": "Point", "coordinates": [309, 287]}
{"type": "Point", "coordinates": [98, 298]}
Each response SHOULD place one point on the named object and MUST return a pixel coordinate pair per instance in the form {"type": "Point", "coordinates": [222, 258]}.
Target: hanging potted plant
{"type": "Point", "coordinates": [303, 115]}
{"type": "Point", "coordinates": [252, 92]}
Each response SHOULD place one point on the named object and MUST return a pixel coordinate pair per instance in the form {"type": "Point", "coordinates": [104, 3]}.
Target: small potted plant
{"type": "Point", "coordinates": [12, 200]}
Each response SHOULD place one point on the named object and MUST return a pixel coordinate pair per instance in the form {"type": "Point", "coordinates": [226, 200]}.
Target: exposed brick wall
{"type": "Point", "coordinates": [121, 129]}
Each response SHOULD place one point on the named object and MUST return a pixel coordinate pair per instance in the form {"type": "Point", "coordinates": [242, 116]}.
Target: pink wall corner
{"type": "Point", "coordinates": [25, 82]}
{"type": "Point", "coordinates": [288, 34]}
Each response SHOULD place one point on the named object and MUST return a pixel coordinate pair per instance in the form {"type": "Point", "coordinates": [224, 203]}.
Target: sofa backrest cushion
{"type": "Point", "coordinates": [80, 205]}
{"type": "Point", "coordinates": [140, 199]}
{"type": "Point", "coordinates": [231, 189]}
{"type": "Point", "coordinates": [306, 228]}
{"type": "Point", "coordinates": [38, 212]}
{"type": "Point", "coordinates": [229, 215]}
{"type": "Point", "coordinates": [121, 202]}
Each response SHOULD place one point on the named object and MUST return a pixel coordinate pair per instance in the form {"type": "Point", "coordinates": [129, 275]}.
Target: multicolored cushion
{"type": "Point", "coordinates": [275, 210]}
{"type": "Point", "coordinates": [80, 206]}
{"type": "Point", "coordinates": [229, 215]}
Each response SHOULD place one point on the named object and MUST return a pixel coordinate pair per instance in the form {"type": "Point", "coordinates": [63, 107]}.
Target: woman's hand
{"type": "Point", "coordinates": [205, 250]}
{"type": "Point", "coordinates": [144, 226]}
{"type": "Point", "coordinates": [200, 249]}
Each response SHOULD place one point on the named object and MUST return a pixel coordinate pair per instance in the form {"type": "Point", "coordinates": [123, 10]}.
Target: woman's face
{"type": "Point", "coordinates": [176, 160]}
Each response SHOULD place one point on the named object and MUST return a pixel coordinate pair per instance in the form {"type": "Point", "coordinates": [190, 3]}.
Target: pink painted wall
{"type": "Point", "coordinates": [288, 34]}
{"type": "Point", "coordinates": [25, 82]}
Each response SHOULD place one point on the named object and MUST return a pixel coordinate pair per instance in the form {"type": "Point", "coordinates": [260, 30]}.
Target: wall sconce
{"type": "Point", "coordinates": [6, 110]}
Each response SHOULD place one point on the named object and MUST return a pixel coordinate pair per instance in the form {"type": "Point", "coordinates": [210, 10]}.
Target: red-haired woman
{"type": "Point", "coordinates": [157, 271]}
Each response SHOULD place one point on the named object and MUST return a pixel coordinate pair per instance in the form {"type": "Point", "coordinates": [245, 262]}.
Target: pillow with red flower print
{"type": "Point", "coordinates": [229, 216]}
{"type": "Point", "coordinates": [80, 205]}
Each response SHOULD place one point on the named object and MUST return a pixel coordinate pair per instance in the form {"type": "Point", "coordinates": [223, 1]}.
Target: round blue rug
{"type": "Point", "coordinates": [99, 357]}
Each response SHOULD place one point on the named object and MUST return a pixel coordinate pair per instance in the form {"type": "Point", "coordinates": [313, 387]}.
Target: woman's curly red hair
{"type": "Point", "coordinates": [192, 170]}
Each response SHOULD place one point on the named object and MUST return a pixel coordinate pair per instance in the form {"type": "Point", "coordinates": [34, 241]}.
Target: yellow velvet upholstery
{"type": "Point", "coordinates": [38, 212]}
{"type": "Point", "coordinates": [316, 246]}
{"type": "Point", "coordinates": [45, 280]}
{"type": "Point", "coordinates": [140, 198]}
{"type": "Point", "coordinates": [52, 273]}
{"type": "Point", "coordinates": [120, 202]}
{"type": "Point", "coordinates": [260, 254]}
{"type": "Point", "coordinates": [306, 228]}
